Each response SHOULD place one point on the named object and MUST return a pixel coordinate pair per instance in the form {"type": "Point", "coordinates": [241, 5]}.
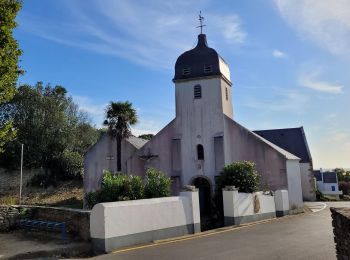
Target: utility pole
{"type": "Point", "coordinates": [20, 183]}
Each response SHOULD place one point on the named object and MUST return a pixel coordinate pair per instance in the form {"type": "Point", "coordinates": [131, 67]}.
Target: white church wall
{"type": "Point", "coordinates": [102, 156]}
{"type": "Point", "coordinates": [159, 147]}
{"type": "Point", "coordinates": [241, 144]}
{"type": "Point", "coordinates": [246, 207]}
{"type": "Point", "coordinates": [126, 223]}
{"type": "Point", "coordinates": [226, 99]}
{"type": "Point", "coordinates": [294, 185]}
{"type": "Point", "coordinates": [307, 182]}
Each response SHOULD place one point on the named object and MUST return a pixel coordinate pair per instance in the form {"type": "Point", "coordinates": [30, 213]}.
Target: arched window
{"type": "Point", "coordinates": [200, 152]}
{"type": "Point", "coordinates": [197, 89]}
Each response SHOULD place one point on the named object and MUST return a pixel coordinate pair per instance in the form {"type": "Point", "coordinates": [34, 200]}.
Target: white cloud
{"type": "Point", "coordinates": [150, 33]}
{"type": "Point", "coordinates": [309, 81]}
{"type": "Point", "coordinates": [324, 22]}
{"type": "Point", "coordinates": [278, 54]}
{"type": "Point", "coordinates": [95, 111]}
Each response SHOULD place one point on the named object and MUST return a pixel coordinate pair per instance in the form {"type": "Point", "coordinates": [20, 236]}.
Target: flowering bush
{"type": "Point", "coordinates": [242, 175]}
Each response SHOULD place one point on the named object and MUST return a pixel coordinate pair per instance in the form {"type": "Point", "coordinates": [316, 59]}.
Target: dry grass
{"type": "Point", "coordinates": [66, 194]}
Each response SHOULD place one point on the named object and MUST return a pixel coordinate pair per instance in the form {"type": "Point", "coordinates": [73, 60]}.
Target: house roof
{"type": "Point", "coordinates": [201, 61]}
{"type": "Point", "coordinates": [291, 139]}
{"type": "Point", "coordinates": [136, 142]}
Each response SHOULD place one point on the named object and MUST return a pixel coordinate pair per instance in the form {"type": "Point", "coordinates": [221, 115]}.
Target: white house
{"type": "Point", "coordinates": [327, 183]}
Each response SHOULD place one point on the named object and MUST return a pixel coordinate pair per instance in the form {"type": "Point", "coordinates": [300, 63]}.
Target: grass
{"type": "Point", "coordinates": [67, 194]}
{"type": "Point", "coordinates": [9, 200]}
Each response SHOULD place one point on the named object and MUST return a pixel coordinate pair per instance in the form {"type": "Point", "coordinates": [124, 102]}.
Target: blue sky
{"type": "Point", "coordinates": [289, 60]}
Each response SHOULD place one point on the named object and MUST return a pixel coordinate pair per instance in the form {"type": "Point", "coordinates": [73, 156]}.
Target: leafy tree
{"type": "Point", "coordinates": [157, 184]}
{"type": "Point", "coordinates": [146, 136]}
{"type": "Point", "coordinates": [342, 174]}
{"type": "Point", "coordinates": [9, 68]}
{"type": "Point", "coordinates": [119, 117]}
{"type": "Point", "coordinates": [54, 132]}
{"type": "Point", "coordinates": [242, 175]}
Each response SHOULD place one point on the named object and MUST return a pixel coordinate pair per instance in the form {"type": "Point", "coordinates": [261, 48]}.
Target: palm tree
{"type": "Point", "coordinates": [119, 117]}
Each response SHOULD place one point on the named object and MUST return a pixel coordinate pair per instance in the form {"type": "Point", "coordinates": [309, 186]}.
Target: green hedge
{"type": "Point", "coordinates": [242, 175]}
{"type": "Point", "coordinates": [121, 187]}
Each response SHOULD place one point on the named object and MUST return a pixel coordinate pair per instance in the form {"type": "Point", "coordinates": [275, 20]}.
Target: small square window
{"type": "Point", "coordinates": [207, 69]}
{"type": "Point", "coordinates": [186, 71]}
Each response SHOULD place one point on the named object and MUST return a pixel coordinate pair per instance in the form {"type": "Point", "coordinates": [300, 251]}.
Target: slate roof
{"type": "Point", "coordinates": [136, 142]}
{"type": "Point", "coordinates": [291, 139]}
{"type": "Point", "coordinates": [196, 59]}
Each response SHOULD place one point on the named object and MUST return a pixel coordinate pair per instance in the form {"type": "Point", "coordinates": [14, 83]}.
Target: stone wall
{"type": "Point", "coordinates": [77, 221]}
{"type": "Point", "coordinates": [8, 217]}
{"type": "Point", "coordinates": [10, 179]}
{"type": "Point", "coordinates": [341, 229]}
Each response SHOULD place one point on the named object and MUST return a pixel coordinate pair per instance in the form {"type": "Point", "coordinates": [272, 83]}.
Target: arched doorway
{"type": "Point", "coordinates": [204, 193]}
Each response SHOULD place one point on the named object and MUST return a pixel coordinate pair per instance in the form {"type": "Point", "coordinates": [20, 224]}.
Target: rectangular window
{"type": "Point", "coordinates": [186, 71]}
{"type": "Point", "coordinates": [226, 92]}
{"type": "Point", "coordinates": [207, 68]}
{"type": "Point", "coordinates": [197, 91]}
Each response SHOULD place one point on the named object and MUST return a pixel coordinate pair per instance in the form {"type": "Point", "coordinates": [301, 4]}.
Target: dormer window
{"type": "Point", "coordinates": [207, 69]}
{"type": "Point", "coordinates": [186, 71]}
{"type": "Point", "coordinates": [197, 89]}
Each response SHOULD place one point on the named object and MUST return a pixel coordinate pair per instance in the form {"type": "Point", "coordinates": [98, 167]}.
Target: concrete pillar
{"type": "Point", "coordinates": [282, 203]}
{"type": "Point", "coordinates": [229, 196]}
{"type": "Point", "coordinates": [192, 196]}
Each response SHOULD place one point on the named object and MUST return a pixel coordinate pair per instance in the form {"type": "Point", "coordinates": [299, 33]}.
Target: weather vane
{"type": "Point", "coordinates": [201, 19]}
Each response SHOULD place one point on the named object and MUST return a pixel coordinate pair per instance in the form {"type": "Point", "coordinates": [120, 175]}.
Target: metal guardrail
{"type": "Point", "coordinates": [47, 225]}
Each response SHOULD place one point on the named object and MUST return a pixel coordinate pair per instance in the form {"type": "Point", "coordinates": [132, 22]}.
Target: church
{"type": "Point", "coordinates": [203, 137]}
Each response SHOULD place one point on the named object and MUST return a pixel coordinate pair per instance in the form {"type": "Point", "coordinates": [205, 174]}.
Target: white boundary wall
{"type": "Point", "coordinates": [239, 207]}
{"type": "Point", "coordinates": [281, 203]}
{"type": "Point", "coordinates": [125, 223]}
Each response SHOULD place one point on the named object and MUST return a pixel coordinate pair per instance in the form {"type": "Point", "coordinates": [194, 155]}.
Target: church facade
{"type": "Point", "coordinates": [203, 137]}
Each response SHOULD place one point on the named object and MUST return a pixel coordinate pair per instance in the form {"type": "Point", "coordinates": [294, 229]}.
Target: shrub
{"type": "Point", "coordinates": [242, 175]}
{"type": "Point", "coordinates": [120, 187]}
{"type": "Point", "coordinates": [157, 184]}
{"type": "Point", "coordinates": [92, 198]}
{"type": "Point", "coordinates": [344, 186]}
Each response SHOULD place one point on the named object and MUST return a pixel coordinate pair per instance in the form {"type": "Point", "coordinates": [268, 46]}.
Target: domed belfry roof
{"type": "Point", "coordinates": [201, 61]}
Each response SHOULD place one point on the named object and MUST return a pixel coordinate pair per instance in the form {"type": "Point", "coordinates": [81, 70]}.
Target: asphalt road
{"type": "Point", "coordinates": [306, 236]}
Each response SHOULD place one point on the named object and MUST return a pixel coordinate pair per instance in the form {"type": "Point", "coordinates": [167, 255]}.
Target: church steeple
{"type": "Point", "coordinates": [201, 61]}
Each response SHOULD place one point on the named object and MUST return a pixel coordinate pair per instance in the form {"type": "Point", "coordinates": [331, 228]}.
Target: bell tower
{"type": "Point", "coordinates": [205, 77]}
{"type": "Point", "coordinates": [203, 96]}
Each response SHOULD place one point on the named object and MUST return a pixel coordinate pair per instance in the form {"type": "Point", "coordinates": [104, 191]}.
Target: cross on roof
{"type": "Point", "coordinates": [201, 19]}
